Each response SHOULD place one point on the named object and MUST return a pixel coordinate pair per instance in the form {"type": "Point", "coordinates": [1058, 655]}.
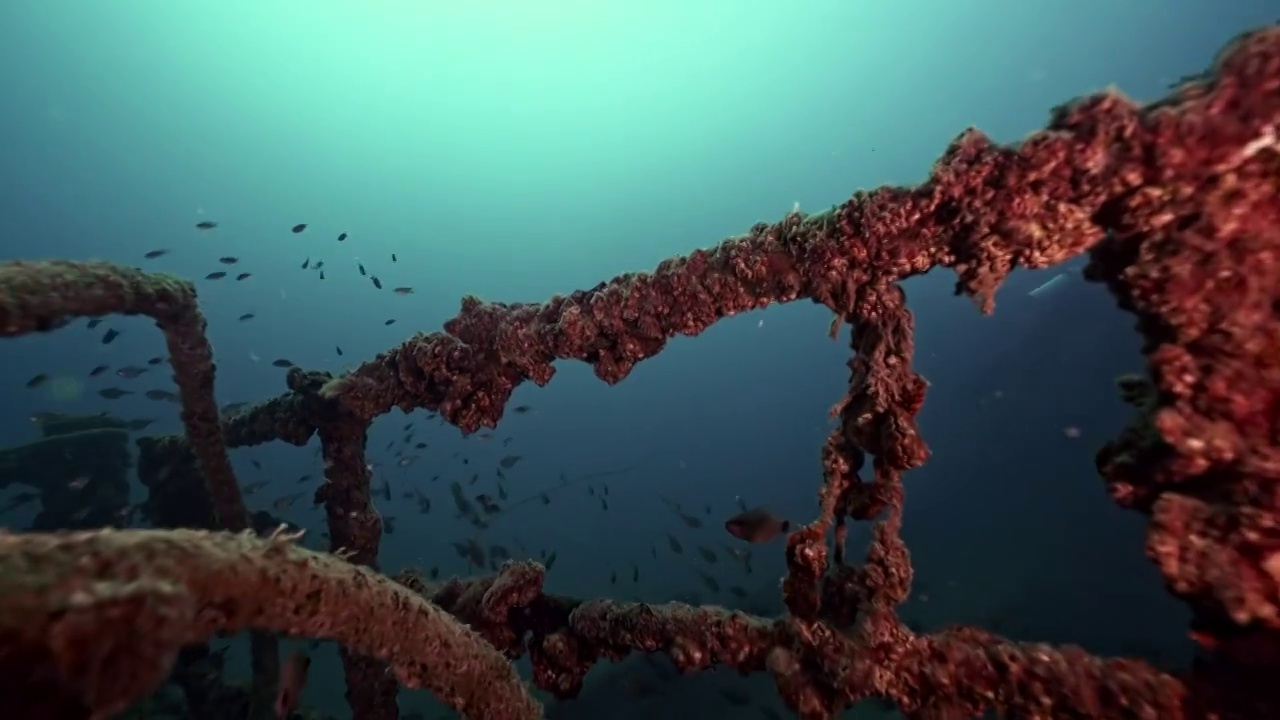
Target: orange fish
{"type": "Point", "coordinates": [293, 677]}
{"type": "Point", "coordinates": [756, 526]}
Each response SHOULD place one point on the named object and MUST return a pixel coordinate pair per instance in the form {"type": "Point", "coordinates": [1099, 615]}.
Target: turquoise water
{"type": "Point", "coordinates": [522, 149]}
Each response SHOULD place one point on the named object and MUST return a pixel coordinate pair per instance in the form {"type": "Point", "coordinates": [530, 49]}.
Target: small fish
{"type": "Point", "coordinates": [244, 276]}
{"type": "Point", "coordinates": [757, 525]}
{"type": "Point", "coordinates": [228, 260]}
{"type": "Point", "coordinates": [509, 461]}
{"type": "Point", "coordinates": [215, 275]}
{"type": "Point", "coordinates": [38, 380]}
{"type": "Point", "coordinates": [206, 225]}
{"type": "Point", "coordinates": [712, 584]}
{"type": "Point", "coordinates": [390, 322]}
{"type": "Point", "coordinates": [161, 395]}
{"type": "Point", "coordinates": [376, 282]}
{"type": "Point", "coordinates": [293, 674]}
{"type": "Point", "coordinates": [93, 323]}
{"type": "Point", "coordinates": [488, 505]}
{"type": "Point", "coordinates": [521, 409]}
{"type": "Point", "coordinates": [403, 291]}
{"type": "Point", "coordinates": [342, 237]}
{"type": "Point", "coordinates": [284, 502]}
{"type": "Point", "coordinates": [298, 228]}
{"type": "Point", "coordinates": [339, 349]}
{"type": "Point", "coordinates": [282, 363]}
{"type": "Point", "coordinates": [112, 393]}
{"type": "Point", "coordinates": [110, 335]}
{"type": "Point", "coordinates": [98, 370]}
{"type": "Point", "coordinates": [361, 268]}
{"type": "Point", "coordinates": [246, 316]}
{"type": "Point", "coordinates": [321, 274]}
{"type": "Point", "coordinates": [306, 263]}
{"type": "Point", "coordinates": [155, 360]}
{"type": "Point", "coordinates": [129, 372]}
{"type": "Point", "coordinates": [393, 257]}
{"type": "Point", "coordinates": [153, 254]}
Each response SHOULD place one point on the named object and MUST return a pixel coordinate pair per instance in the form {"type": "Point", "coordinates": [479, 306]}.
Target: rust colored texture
{"type": "Point", "coordinates": [111, 609]}
{"type": "Point", "coordinates": [38, 297]}
{"type": "Point", "coordinates": [43, 296]}
{"type": "Point", "coordinates": [355, 530]}
{"type": "Point", "coordinates": [964, 670]}
{"type": "Point", "coordinates": [1178, 204]}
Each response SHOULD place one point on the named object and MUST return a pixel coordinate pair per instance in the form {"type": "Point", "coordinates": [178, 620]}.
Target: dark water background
{"type": "Point", "coordinates": [519, 152]}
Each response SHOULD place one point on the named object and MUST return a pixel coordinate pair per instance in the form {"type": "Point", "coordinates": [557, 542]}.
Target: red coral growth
{"type": "Point", "coordinates": [1184, 195]}
{"type": "Point", "coordinates": [818, 668]}
{"type": "Point", "coordinates": [1178, 204]}
{"type": "Point", "coordinates": [1188, 189]}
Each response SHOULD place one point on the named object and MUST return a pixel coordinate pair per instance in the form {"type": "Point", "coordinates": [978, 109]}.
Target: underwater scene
{"type": "Point", "coordinates": [622, 360]}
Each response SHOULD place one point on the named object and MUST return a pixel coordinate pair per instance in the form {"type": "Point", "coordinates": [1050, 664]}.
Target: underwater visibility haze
{"type": "Point", "coordinates": [334, 177]}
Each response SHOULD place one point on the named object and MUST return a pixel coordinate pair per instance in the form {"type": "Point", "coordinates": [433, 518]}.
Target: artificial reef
{"type": "Point", "coordinates": [1177, 204]}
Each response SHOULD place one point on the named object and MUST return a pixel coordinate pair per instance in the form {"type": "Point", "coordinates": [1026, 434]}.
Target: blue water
{"type": "Point", "coordinates": [517, 150]}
